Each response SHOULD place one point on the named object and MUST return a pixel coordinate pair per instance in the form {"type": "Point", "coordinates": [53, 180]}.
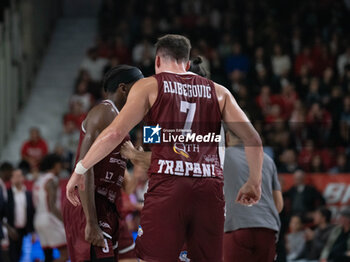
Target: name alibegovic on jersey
{"type": "Point", "coordinates": [184, 127]}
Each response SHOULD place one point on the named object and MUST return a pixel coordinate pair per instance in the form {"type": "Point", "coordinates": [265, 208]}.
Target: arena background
{"type": "Point", "coordinates": [286, 62]}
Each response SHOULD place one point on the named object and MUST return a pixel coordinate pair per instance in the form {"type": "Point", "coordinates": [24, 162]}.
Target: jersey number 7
{"type": "Point", "coordinates": [191, 108]}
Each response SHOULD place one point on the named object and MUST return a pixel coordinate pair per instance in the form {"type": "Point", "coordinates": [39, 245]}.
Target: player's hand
{"type": "Point", "coordinates": [249, 194]}
{"type": "Point", "coordinates": [94, 235]}
{"type": "Point", "coordinates": [128, 150]}
{"type": "Point", "coordinates": [78, 181]}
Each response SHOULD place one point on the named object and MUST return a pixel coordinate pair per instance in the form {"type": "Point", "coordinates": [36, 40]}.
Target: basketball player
{"type": "Point", "coordinates": [143, 159]}
{"type": "Point", "coordinates": [185, 196]}
{"type": "Point", "coordinates": [47, 201]}
{"type": "Point", "coordinates": [92, 229]}
{"type": "Point", "coordinates": [198, 68]}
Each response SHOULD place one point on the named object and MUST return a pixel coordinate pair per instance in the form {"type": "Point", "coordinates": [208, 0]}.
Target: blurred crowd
{"type": "Point", "coordinates": [287, 63]}
{"type": "Point", "coordinates": [309, 231]}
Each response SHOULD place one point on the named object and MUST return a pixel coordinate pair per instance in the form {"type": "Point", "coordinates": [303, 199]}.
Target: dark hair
{"type": "Point", "coordinates": [177, 47]}
{"type": "Point", "coordinates": [92, 50]}
{"type": "Point", "coordinates": [6, 166]}
{"type": "Point", "coordinates": [326, 213]}
{"type": "Point", "coordinates": [120, 74]}
{"type": "Point", "coordinates": [197, 67]}
{"type": "Point", "coordinates": [49, 162]}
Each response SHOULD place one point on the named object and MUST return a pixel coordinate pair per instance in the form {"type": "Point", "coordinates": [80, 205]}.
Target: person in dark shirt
{"type": "Point", "coordinates": [337, 248]}
{"type": "Point", "coordinates": [302, 198]}
{"type": "Point", "coordinates": [316, 239]}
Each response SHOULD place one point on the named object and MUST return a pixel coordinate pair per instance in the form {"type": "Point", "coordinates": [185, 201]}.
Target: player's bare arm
{"type": "Point", "coordinates": [142, 95]}
{"type": "Point", "coordinates": [51, 189]}
{"type": "Point", "coordinates": [238, 123]}
{"type": "Point", "coordinates": [97, 119]}
{"type": "Point", "coordinates": [278, 199]}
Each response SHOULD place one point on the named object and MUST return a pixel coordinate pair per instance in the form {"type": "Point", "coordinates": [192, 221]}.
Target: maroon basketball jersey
{"type": "Point", "coordinates": [188, 113]}
{"type": "Point", "coordinates": [109, 172]}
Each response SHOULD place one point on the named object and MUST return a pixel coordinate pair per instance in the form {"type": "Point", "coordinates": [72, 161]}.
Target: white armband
{"type": "Point", "coordinates": [80, 169]}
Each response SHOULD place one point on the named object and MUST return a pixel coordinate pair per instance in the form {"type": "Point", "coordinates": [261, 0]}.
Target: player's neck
{"type": "Point", "coordinates": [177, 68]}
{"type": "Point", "coordinates": [118, 101]}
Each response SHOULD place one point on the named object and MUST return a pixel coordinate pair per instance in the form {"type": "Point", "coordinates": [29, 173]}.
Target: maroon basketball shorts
{"type": "Point", "coordinates": [250, 244]}
{"type": "Point", "coordinates": [179, 210]}
{"type": "Point", "coordinates": [74, 223]}
{"type": "Point", "coordinates": [126, 245]}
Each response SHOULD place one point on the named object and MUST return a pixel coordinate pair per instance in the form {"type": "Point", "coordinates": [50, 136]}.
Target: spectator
{"type": "Point", "coordinates": [306, 154]}
{"type": "Point", "coordinates": [322, 59]}
{"type": "Point", "coordinates": [48, 215]}
{"type": "Point", "coordinates": [288, 162]}
{"type": "Point", "coordinates": [5, 175]}
{"type": "Point", "coordinates": [141, 50]}
{"type": "Point", "coordinates": [94, 65]}
{"type": "Point", "coordinates": [297, 123]}
{"type": "Point", "coordinates": [274, 115]}
{"type": "Point", "coordinates": [6, 170]}
{"type": "Point", "coordinates": [76, 115]}
{"type": "Point", "coordinates": [20, 213]}
{"type": "Point", "coordinates": [260, 60]}
{"type": "Point", "coordinates": [265, 100]}
{"type": "Point", "coordinates": [295, 240]}
{"type": "Point", "coordinates": [296, 41]}
{"type": "Point", "coordinates": [317, 165]}
{"type": "Point", "coordinates": [334, 44]}
{"type": "Point", "coordinates": [316, 239]}
{"type": "Point", "coordinates": [225, 46]}
{"type": "Point", "coordinates": [303, 82]}
{"type": "Point", "coordinates": [345, 120]}
{"type": "Point", "coordinates": [335, 104]}
{"type": "Point", "coordinates": [68, 161]}
{"type": "Point", "coordinates": [237, 61]}
{"type": "Point", "coordinates": [314, 94]}
{"type": "Point", "coordinates": [236, 78]}
{"type": "Point", "coordinates": [287, 98]}
{"type": "Point", "coordinates": [281, 63]}
{"type": "Point", "coordinates": [303, 61]}
{"type": "Point", "coordinates": [342, 165]}
{"type": "Point", "coordinates": [33, 150]}
{"type": "Point", "coordinates": [337, 248]}
{"type": "Point", "coordinates": [303, 198]}
{"type": "Point", "coordinates": [327, 83]}
{"type": "Point", "coordinates": [319, 122]}
{"type": "Point", "coordinates": [69, 140]}
{"type": "Point", "coordinates": [343, 60]}
{"type": "Point", "coordinates": [121, 51]}
{"type": "Point", "coordinates": [217, 73]}
{"type": "Point", "coordinates": [82, 96]}
{"type": "Point", "coordinates": [103, 48]}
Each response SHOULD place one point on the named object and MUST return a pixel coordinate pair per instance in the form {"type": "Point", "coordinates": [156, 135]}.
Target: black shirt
{"type": "Point", "coordinates": [340, 246]}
